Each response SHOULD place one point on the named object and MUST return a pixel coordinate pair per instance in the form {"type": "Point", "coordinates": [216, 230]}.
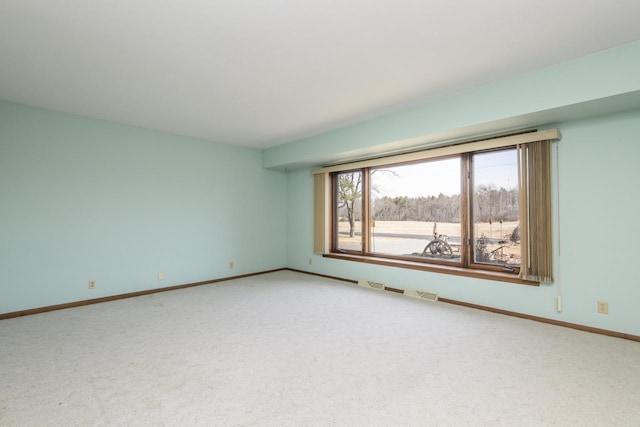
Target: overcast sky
{"type": "Point", "coordinates": [442, 176]}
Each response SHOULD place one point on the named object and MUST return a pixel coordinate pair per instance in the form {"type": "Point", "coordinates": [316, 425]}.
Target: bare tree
{"type": "Point", "coordinates": [349, 191]}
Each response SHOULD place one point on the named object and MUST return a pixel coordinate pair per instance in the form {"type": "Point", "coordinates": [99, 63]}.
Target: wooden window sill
{"type": "Point", "coordinates": [444, 269]}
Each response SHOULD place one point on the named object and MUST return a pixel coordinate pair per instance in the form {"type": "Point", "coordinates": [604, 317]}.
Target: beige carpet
{"type": "Point", "coordinates": [287, 349]}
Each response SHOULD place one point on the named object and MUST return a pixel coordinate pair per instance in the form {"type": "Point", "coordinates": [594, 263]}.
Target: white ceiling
{"type": "Point", "coordinates": [260, 73]}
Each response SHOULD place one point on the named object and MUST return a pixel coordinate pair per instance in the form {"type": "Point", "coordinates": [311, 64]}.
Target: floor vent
{"type": "Point", "coordinates": [414, 293]}
{"type": "Point", "coordinates": [373, 285]}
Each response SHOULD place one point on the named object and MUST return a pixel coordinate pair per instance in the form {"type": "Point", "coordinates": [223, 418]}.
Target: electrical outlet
{"type": "Point", "coordinates": [92, 284]}
{"type": "Point", "coordinates": [161, 275]}
{"type": "Point", "coordinates": [603, 307]}
{"type": "Point", "coordinates": [310, 261]}
{"type": "Point", "coordinates": [231, 264]}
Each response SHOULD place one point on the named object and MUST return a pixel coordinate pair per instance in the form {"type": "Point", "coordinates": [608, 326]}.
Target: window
{"type": "Point", "coordinates": [414, 204]}
{"type": "Point", "coordinates": [495, 214]}
{"type": "Point", "coordinates": [416, 211]}
{"type": "Point", "coordinates": [348, 216]}
{"type": "Point", "coordinates": [456, 209]}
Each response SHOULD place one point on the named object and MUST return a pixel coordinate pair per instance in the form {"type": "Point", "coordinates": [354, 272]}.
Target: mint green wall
{"type": "Point", "coordinates": [599, 228]}
{"type": "Point", "coordinates": [605, 82]}
{"type": "Point", "coordinates": [598, 234]}
{"type": "Point", "coordinates": [86, 199]}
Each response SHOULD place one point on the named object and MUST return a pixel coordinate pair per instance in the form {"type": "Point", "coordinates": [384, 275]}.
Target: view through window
{"type": "Point", "coordinates": [415, 210]}
{"type": "Point", "coordinates": [496, 230]}
{"type": "Point", "coordinates": [460, 210]}
{"type": "Point", "coordinates": [349, 211]}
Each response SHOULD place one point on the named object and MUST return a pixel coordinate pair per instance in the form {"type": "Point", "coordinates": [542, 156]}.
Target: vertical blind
{"type": "Point", "coordinates": [321, 216]}
{"type": "Point", "coordinates": [534, 173]}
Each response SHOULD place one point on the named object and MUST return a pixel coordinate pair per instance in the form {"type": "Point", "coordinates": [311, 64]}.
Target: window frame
{"type": "Point", "coordinates": [466, 260]}
{"type": "Point", "coordinates": [470, 201]}
{"type": "Point", "coordinates": [335, 223]}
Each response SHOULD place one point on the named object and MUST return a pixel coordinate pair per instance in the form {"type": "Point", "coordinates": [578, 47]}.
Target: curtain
{"type": "Point", "coordinates": [534, 174]}
{"type": "Point", "coordinates": [321, 205]}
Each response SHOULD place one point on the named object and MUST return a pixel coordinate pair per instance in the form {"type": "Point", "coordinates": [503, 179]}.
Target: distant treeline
{"type": "Point", "coordinates": [490, 203]}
